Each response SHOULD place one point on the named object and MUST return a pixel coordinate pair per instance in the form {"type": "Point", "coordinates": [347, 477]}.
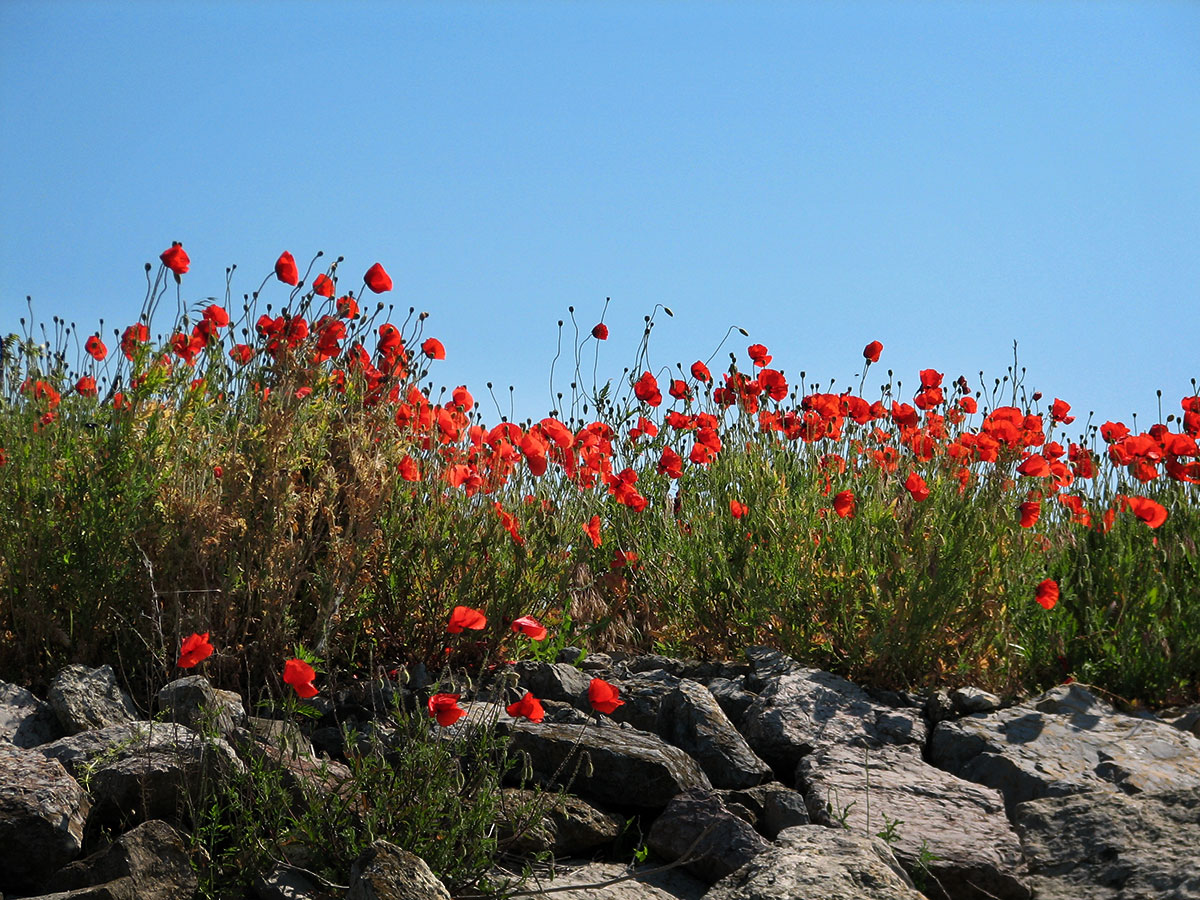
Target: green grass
{"type": "Point", "coordinates": [325, 496]}
{"type": "Point", "coordinates": [263, 503]}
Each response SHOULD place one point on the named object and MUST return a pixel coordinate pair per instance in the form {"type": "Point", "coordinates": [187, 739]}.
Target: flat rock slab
{"type": "Point", "coordinates": [803, 709]}
{"type": "Point", "coordinates": [1109, 846]}
{"type": "Point", "coordinates": [811, 862]}
{"type": "Point", "coordinates": [612, 881]}
{"type": "Point", "coordinates": [959, 821]}
{"type": "Point", "coordinates": [1066, 741]}
{"type": "Point", "coordinates": [619, 767]}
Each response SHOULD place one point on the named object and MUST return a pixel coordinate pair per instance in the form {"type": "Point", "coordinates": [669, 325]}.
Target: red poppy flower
{"type": "Point", "coordinates": [646, 390]}
{"type": "Point", "coordinates": [968, 405]}
{"type": "Point", "coordinates": [132, 336]}
{"type": "Point", "coordinates": [917, 487]}
{"type": "Point", "coordinates": [347, 307]}
{"type": "Point", "coordinates": [758, 354]}
{"type": "Point", "coordinates": [1047, 593]}
{"type": "Point", "coordinates": [603, 696]}
{"type": "Point", "coordinates": [843, 504]}
{"type": "Point", "coordinates": [465, 617]}
{"type": "Point", "coordinates": [408, 469]}
{"type": "Point", "coordinates": [738, 509]}
{"type": "Point", "coordinates": [95, 347]}
{"type": "Point", "coordinates": [679, 389]}
{"type": "Point", "coordinates": [433, 348]}
{"type": "Point", "coordinates": [700, 372]}
{"type": "Point", "coordinates": [462, 398]}
{"type": "Point", "coordinates": [774, 383]}
{"type": "Point", "coordinates": [623, 558]}
{"type": "Point", "coordinates": [86, 386]}
{"type": "Point", "coordinates": [528, 707]}
{"type": "Point", "coordinates": [1059, 410]}
{"type": "Point", "coordinates": [216, 316]}
{"type": "Point", "coordinates": [530, 627]}
{"type": "Point", "coordinates": [323, 285]}
{"type": "Point", "coordinates": [241, 354]}
{"type": "Point", "coordinates": [510, 523]}
{"type": "Point", "coordinates": [1035, 465]}
{"type": "Point", "coordinates": [600, 332]}
{"type": "Point", "coordinates": [1113, 431]}
{"type": "Point", "coordinates": [1030, 511]}
{"type": "Point", "coordinates": [592, 530]}
{"type": "Point", "coordinates": [670, 464]}
{"type": "Point", "coordinates": [300, 675]}
{"type": "Point", "coordinates": [377, 279]}
{"type": "Point", "coordinates": [904, 415]}
{"type": "Point", "coordinates": [445, 708]}
{"type": "Point", "coordinates": [285, 269]}
{"type": "Point", "coordinates": [872, 350]}
{"type": "Point", "coordinates": [931, 378]}
{"type": "Point", "coordinates": [1149, 511]}
{"type": "Point", "coordinates": [175, 259]}
{"type": "Point", "coordinates": [557, 432]}
{"type": "Point", "coordinates": [195, 649]}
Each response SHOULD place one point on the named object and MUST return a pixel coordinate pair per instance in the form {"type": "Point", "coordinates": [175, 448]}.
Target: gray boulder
{"type": "Point", "coordinates": [612, 881]}
{"type": "Point", "coordinates": [143, 770]}
{"type": "Point", "coordinates": [968, 700]}
{"type": "Point", "coordinates": [816, 863]}
{"type": "Point", "coordinates": [42, 815]}
{"type": "Point", "coordinates": [385, 872]}
{"type": "Point", "coordinates": [806, 708]}
{"type": "Point", "coordinates": [552, 681]}
{"type": "Point", "coordinates": [939, 707]}
{"type": "Point", "coordinates": [26, 721]}
{"type": "Point", "coordinates": [191, 701]}
{"type": "Point", "coordinates": [692, 720]}
{"type": "Point", "coordinates": [148, 862]}
{"type": "Point", "coordinates": [284, 882]}
{"type": "Point", "coordinates": [709, 841]}
{"type": "Point", "coordinates": [733, 698]}
{"type": "Point", "coordinates": [772, 807]}
{"type": "Point", "coordinates": [84, 699]}
{"type": "Point", "coordinates": [537, 821]}
{"type": "Point", "coordinates": [1185, 718]}
{"type": "Point", "coordinates": [1109, 846]}
{"type": "Point", "coordinates": [619, 767]}
{"type": "Point", "coordinates": [767, 665]}
{"type": "Point", "coordinates": [1066, 741]}
{"type": "Point", "coordinates": [960, 822]}
{"type": "Point", "coordinates": [643, 694]}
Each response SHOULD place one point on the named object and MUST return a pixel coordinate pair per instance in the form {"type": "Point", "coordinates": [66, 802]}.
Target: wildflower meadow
{"type": "Point", "coordinates": [276, 492]}
{"type": "Point", "coordinates": [281, 469]}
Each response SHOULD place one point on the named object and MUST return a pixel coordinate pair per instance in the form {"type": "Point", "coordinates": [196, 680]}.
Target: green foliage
{"type": "Point", "coordinates": [435, 795]}
{"type": "Point", "coordinates": [329, 497]}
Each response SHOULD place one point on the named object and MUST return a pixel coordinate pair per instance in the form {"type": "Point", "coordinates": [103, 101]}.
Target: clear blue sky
{"type": "Point", "coordinates": [943, 177]}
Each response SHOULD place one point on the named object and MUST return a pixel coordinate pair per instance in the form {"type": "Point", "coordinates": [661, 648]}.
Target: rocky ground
{"type": "Point", "coordinates": [757, 780]}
